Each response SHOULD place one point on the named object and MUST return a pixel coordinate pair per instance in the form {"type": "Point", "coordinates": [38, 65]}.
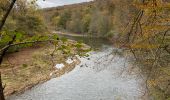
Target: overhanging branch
{"type": "Point", "coordinates": [27, 42]}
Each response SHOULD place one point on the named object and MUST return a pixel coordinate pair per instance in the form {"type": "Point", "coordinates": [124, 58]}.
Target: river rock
{"type": "Point", "coordinates": [69, 61]}
{"type": "Point", "coordinates": [59, 66]}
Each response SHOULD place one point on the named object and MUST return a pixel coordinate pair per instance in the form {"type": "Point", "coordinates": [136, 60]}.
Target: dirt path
{"type": "Point", "coordinates": [18, 58]}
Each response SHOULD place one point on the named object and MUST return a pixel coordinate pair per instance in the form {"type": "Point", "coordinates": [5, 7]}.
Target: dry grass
{"type": "Point", "coordinates": [31, 66]}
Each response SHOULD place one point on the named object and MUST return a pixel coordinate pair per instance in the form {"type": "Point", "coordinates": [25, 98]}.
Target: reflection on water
{"type": "Point", "coordinates": [91, 41]}
{"type": "Point", "coordinates": [101, 76]}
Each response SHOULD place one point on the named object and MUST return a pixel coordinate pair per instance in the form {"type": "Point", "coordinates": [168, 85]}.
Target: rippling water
{"type": "Point", "coordinates": [101, 76]}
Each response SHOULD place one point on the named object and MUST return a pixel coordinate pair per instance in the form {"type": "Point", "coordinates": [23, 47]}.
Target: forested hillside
{"type": "Point", "coordinates": [94, 18]}
{"type": "Point", "coordinates": [102, 18]}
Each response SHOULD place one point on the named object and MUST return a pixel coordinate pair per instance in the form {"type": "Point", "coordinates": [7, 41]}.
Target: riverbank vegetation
{"type": "Point", "coordinates": [30, 66]}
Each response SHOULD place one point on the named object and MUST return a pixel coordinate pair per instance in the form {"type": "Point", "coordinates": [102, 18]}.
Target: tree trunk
{"type": "Point", "coordinates": [1, 59]}
{"type": "Point", "coordinates": [2, 97]}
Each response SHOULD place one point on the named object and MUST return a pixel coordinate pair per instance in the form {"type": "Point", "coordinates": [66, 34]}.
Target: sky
{"type": "Point", "coordinates": [55, 3]}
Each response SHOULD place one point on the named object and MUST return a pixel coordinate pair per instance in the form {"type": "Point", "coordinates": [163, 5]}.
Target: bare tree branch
{"type": "Point", "coordinates": [7, 14]}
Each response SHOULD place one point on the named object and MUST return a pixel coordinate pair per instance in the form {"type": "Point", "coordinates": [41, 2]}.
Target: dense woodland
{"type": "Point", "coordinates": [141, 27]}
{"type": "Point", "coordinates": [94, 18]}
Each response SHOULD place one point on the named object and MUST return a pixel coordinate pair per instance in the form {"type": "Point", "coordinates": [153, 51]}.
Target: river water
{"type": "Point", "coordinates": [104, 75]}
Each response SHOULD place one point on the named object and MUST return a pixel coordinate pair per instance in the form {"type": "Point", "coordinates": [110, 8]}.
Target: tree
{"type": "Point", "coordinates": [75, 24]}
{"type": "Point", "coordinates": [4, 51]}
{"type": "Point", "coordinates": [147, 36]}
{"type": "Point", "coordinates": [55, 21]}
{"type": "Point", "coordinates": [8, 40]}
{"type": "Point", "coordinates": [64, 18]}
{"type": "Point", "coordinates": [86, 23]}
{"type": "Point", "coordinates": [101, 23]}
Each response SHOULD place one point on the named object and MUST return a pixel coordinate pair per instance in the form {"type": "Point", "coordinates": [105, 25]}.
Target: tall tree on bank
{"type": "Point", "coordinates": [4, 18]}
{"type": "Point", "coordinates": [148, 40]}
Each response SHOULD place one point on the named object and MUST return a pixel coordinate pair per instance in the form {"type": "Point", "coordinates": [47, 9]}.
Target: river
{"type": "Point", "coordinates": [104, 75]}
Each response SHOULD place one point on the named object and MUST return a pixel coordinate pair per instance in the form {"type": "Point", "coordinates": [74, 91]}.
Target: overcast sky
{"type": "Point", "coordinates": [54, 3]}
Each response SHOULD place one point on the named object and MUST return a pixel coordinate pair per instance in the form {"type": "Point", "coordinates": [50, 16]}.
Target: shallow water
{"type": "Point", "coordinates": [101, 76]}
